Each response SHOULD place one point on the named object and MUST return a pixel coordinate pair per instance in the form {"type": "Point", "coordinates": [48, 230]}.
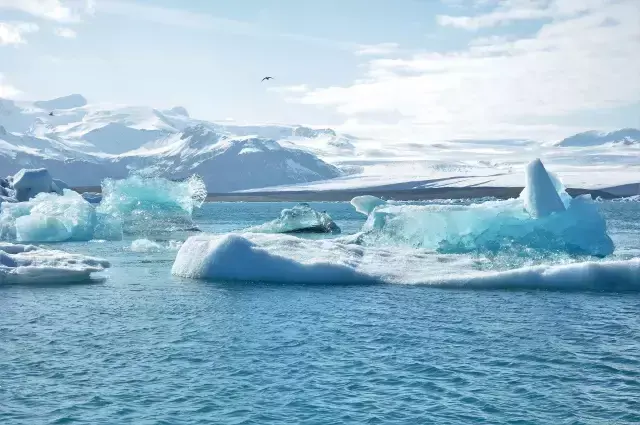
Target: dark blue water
{"type": "Point", "coordinates": [145, 347]}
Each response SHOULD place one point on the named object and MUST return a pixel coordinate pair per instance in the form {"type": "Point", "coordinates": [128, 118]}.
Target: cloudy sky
{"type": "Point", "coordinates": [406, 69]}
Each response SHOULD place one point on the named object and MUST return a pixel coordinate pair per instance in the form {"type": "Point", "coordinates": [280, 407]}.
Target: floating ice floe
{"type": "Point", "coordinates": [543, 217]}
{"type": "Point", "coordinates": [29, 264]}
{"type": "Point", "coordinates": [252, 257]}
{"type": "Point", "coordinates": [299, 219]}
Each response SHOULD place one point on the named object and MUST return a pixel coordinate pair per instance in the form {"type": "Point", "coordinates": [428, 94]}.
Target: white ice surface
{"type": "Point", "coordinates": [282, 258]}
{"type": "Point", "coordinates": [23, 264]}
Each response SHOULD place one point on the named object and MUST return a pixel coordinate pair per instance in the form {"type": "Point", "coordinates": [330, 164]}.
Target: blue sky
{"type": "Point", "coordinates": [409, 69]}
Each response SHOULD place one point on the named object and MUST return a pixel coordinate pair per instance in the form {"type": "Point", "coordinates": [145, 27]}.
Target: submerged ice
{"type": "Point", "coordinates": [299, 219]}
{"type": "Point", "coordinates": [544, 217]}
{"type": "Point", "coordinates": [29, 264]}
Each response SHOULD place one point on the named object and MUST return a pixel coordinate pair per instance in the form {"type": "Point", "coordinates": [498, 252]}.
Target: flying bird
{"type": "Point", "coordinates": [267, 78]}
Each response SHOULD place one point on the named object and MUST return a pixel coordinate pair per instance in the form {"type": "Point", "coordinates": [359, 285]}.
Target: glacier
{"type": "Point", "coordinates": [538, 219]}
{"type": "Point", "coordinates": [299, 219]}
{"type": "Point", "coordinates": [24, 264]}
{"type": "Point", "coordinates": [84, 143]}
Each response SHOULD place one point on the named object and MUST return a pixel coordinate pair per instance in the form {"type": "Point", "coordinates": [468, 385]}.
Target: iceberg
{"type": "Point", "coordinates": [152, 204]}
{"type": "Point", "coordinates": [540, 195]}
{"type": "Point", "coordinates": [538, 219]}
{"type": "Point", "coordinates": [28, 183]}
{"type": "Point", "coordinates": [22, 264]}
{"type": "Point", "coordinates": [299, 219]}
{"type": "Point", "coordinates": [284, 258]}
{"type": "Point", "coordinates": [366, 204]}
{"type": "Point", "coordinates": [49, 217]}
{"type": "Point", "coordinates": [268, 258]}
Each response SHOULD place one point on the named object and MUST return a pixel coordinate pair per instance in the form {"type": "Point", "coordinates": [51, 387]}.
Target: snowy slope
{"type": "Point", "coordinates": [83, 143]}
{"type": "Point", "coordinates": [626, 136]}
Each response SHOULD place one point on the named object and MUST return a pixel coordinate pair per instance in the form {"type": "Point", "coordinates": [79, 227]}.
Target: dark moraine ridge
{"type": "Point", "coordinates": [390, 194]}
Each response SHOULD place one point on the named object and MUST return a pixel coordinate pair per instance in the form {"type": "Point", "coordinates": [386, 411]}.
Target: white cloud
{"type": "Point", "coordinates": [377, 49]}
{"type": "Point", "coordinates": [572, 65]}
{"type": "Point", "coordinates": [12, 32]}
{"type": "Point", "coordinates": [65, 32]}
{"type": "Point", "coordinates": [55, 10]}
{"type": "Point", "coordinates": [508, 11]}
{"type": "Point", "coordinates": [6, 90]}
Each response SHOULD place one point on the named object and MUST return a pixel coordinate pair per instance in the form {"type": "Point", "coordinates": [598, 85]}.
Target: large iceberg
{"type": "Point", "coordinates": [49, 217]}
{"type": "Point", "coordinates": [287, 259]}
{"type": "Point", "coordinates": [269, 258]}
{"type": "Point", "coordinates": [29, 264]}
{"type": "Point", "coordinates": [544, 217]}
{"type": "Point", "coordinates": [299, 219]}
{"type": "Point", "coordinates": [152, 204]}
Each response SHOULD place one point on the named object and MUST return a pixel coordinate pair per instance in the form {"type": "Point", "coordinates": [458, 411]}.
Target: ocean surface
{"type": "Point", "coordinates": [140, 346]}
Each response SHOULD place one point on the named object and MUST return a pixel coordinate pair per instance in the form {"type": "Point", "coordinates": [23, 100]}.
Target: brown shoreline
{"type": "Point", "coordinates": [397, 195]}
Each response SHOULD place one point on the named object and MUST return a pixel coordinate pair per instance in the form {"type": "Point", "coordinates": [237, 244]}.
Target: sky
{"type": "Point", "coordinates": [418, 70]}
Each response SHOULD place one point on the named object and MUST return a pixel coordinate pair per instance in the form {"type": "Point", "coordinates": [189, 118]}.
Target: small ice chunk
{"type": "Point", "coordinates": [146, 245]}
{"type": "Point", "coordinates": [366, 204]}
{"type": "Point", "coordinates": [299, 219]}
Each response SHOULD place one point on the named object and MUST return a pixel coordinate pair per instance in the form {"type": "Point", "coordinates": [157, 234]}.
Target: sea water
{"type": "Point", "coordinates": [138, 345]}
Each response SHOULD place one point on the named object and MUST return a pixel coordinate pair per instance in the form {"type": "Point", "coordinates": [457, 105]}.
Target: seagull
{"type": "Point", "coordinates": [267, 78]}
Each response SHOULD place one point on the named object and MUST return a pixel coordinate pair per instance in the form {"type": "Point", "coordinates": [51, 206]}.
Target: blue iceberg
{"type": "Point", "coordinates": [49, 217]}
{"type": "Point", "coordinates": [152, 204]}
{"type": "Point", "coordinates": [544, 217]}
{"type": "Point", "coordinates": [135, 205]}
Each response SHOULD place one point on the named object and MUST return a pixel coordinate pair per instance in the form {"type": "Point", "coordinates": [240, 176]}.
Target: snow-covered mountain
{"type": "Point", "coordinates": [82, 144]}
{"type": "Point", "coordinates": [626, 136]}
